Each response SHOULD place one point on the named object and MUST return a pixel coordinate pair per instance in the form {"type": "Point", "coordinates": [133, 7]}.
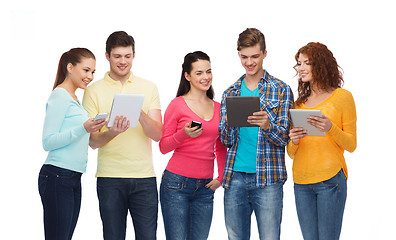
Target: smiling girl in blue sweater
{"type": "Point", "coordinates": [67, 127]}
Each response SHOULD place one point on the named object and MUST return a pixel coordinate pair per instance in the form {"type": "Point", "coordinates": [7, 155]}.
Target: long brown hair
{"type": "Point", "coordinates": [325, 70]}
{"type": "Point", "coordinates": [72, 56]}
{"type": "Point", "coordinates": [189, 59]}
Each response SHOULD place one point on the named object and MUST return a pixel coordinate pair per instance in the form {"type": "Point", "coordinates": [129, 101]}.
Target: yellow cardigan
{"type": "Point", "coordinates": [317, 159]}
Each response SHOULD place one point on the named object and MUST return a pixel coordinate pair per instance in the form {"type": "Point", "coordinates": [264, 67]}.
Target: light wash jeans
{"type": "Point", "coordinates": [242, 198]}
{"type": "Point", "coordinates": [187, 207]}
{"type": "Point", "coordinates": [320, 207]}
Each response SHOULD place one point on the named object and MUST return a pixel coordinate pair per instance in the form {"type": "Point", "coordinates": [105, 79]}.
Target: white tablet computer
{"type": "Point", "coordinates": [299, 119]}
{"type": "Point", "coordinates": [239, 108]}
{"type": "Point", "coordinates": [127, 105]}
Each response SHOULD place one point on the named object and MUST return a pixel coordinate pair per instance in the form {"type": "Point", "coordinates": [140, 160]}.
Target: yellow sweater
{"type": "Point", "coordinates": [317, 159]}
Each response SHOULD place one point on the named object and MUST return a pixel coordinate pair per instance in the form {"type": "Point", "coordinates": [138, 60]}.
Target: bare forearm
{"type": "Point", "coordinates": [152, 124]}
{"type": "Point", "coordinates": [154, 131]}
{"type": "Point", "coordinates": [99, 139]}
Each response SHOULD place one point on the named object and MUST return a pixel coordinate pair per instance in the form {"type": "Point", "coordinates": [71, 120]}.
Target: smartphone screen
{"type": "Point", "coordinates": [101, 116]}
{"type": "Point", "coordinates": [195, 123]}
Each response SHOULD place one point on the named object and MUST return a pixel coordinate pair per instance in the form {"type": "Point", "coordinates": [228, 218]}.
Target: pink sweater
{"type": "Point", "coordinates": [192, 157]}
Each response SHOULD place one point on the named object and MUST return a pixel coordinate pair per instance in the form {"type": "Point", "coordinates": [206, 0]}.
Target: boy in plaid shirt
{"type": "Point", "coordinates": [255, 169]}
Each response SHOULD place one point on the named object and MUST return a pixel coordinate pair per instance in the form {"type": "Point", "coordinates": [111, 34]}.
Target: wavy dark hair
{"type": "Point", "coordinates": [189, 59]}
{"type": "Point", "coordinates": [72, 56]}
{"type": "Point", "coordinates": [325, 70]}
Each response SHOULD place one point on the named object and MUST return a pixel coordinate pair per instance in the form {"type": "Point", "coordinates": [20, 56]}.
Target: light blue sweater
{"type": "Point", "coordinates": [64, 135]}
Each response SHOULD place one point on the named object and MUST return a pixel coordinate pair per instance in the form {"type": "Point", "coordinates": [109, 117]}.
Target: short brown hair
{"type": "Point", "coordinates": [251, 37]}
{"type": "Point", "coordinates": [119, 39]}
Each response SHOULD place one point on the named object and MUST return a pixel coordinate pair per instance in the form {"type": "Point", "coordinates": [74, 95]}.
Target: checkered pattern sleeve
{"type": "Point", "coordinates": [228, 135]}
{"type": "Point", "coordinates": [279, 117]}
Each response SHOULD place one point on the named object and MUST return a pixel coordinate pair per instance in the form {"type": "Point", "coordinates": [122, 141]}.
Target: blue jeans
{"type": "Point", "coordinates": [60, 192]}
{"type": "Point", "coordinates": [187, 207]}
{"type": "Point", "coordinates": [242, 198]}
{"type": "Point", "coordinates": [320, 207]}
{"type": "Point", "coordinates": [117, 196]}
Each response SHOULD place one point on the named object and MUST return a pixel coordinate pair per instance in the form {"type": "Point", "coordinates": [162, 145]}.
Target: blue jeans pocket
{"type": "Point", "coordinates": [172, 184]}
{"type": "Point", "coordinates": [67, 178]}
{"type": "Point", "coordinates": [66, 174]}
{"type": "Point", "coordinates": [42, 183]}
{"type": "Point", "coordinates": [335, 180]}
{"type": "Point", "coordinates": [55, 175]}
{"type": "Point", "coordinates": [210, 190]}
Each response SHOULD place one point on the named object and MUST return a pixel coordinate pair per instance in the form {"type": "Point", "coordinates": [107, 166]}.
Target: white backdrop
{"type": "Point", "coordinates": [34, 34]}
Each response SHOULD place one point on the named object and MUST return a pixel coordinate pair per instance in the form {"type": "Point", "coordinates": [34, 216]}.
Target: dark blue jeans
{"type": "Point", "coordinates": [320, 207]}
{"type": "Point", "coordinates": [60, 191]}
{"type": "Point", "coordinates": [117, 196]}
{"type": "Point", "coordinates": [187, 207]}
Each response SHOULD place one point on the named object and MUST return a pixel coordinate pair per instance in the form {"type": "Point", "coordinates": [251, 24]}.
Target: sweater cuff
{"type": "Point", "coordinates": [291, 146]}
{"type": "Point", "coordinates": [180, 136]}
{"type": "Point", "coordinates": [220, 179]}
{"type": "Point", "coordinates": [81, 131]}
{"type": "Point", "coordinates": [333, 130]}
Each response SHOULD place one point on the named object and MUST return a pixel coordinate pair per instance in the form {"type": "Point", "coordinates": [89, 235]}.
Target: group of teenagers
{"type": "Point", "coordinates": [250, 160]}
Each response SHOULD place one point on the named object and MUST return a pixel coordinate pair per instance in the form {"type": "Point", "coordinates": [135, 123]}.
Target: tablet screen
{"type": "Point", "coordinates": [127, 105]}
{"type": "Point", "coordinates": [239, 108]}
{"type": "Point", "coordinates": [299, 119]}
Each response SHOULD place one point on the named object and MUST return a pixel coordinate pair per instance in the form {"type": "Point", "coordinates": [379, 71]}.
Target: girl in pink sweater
{"type": "Point", "coordinates": [187, 188]}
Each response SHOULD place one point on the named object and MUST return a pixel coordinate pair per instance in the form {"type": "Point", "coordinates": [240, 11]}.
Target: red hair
{"type": "Point", "coordinates": [325, 70]}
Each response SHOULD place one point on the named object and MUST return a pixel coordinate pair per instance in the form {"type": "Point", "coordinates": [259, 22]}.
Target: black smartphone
{"type": "Point", "coordinates": [195, 123]}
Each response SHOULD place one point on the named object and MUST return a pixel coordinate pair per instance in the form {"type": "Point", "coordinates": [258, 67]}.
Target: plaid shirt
{"type": "Point", "coordinates": [276, 98]}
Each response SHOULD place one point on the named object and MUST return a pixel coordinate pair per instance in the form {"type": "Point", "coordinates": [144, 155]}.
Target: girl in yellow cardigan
{"type": "Point", "coordinates": [319, 168]}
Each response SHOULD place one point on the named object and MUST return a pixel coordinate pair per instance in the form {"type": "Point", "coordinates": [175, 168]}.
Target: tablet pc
{"type": "Point", "coordinates": [239, 108]}
{"type": "Point", "coordinates": [299, 119]}
{"type": "Point", "coordinates": [127, 105]}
